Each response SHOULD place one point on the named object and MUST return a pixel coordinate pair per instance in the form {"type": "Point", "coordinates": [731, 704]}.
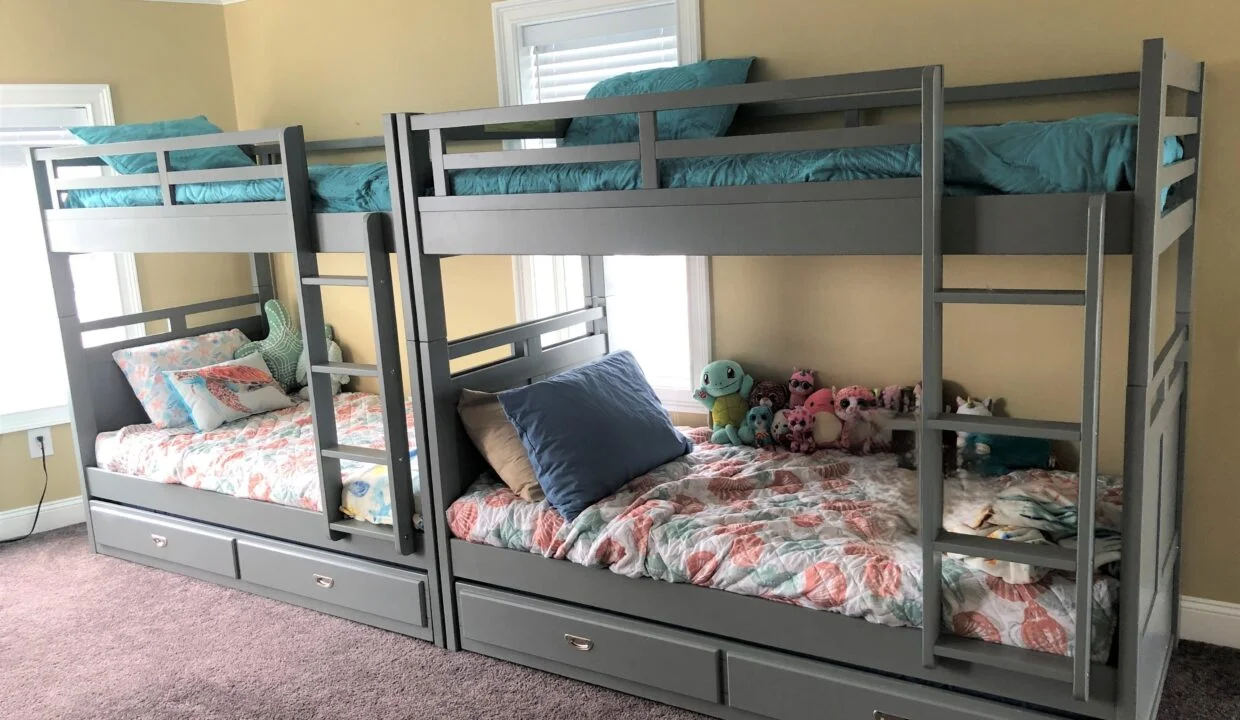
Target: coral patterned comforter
{"type": "Point", "coordinates": [268, 457]}
{"type": "Point", "coordinates": [829, 531]}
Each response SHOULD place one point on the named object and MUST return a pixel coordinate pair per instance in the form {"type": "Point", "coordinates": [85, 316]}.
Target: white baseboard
{"type": "Point", "coordinates": [1210, 621]}
{"type": "Point", "coordinates": [55, 514]}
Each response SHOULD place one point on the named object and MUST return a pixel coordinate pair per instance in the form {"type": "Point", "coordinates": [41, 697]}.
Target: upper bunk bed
{"type": "Point", "coordinates": [1010, 189]}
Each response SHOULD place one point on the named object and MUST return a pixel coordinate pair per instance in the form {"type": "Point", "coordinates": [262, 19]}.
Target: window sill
{"type": "Point", "coordinates": [31, 419]}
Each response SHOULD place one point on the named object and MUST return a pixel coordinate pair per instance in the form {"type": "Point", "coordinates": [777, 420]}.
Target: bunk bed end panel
{"type": "Point", "coordinates": [1156, 395]}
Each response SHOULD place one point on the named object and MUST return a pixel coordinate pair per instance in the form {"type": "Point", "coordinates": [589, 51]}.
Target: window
{"type": "Point", "coordinates": [105, 283]}
{"type": "Point", "coordinates": [556, 50]}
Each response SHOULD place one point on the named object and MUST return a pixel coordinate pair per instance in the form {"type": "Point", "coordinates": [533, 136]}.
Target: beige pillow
{"type": "Point", "coordinates": [497, 440]}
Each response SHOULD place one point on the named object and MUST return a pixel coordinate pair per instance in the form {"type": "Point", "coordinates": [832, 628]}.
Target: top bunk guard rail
{"type": "Point", "coordinates": [256, 226]}
{"type": "Point", "coordinates": [448, 224]}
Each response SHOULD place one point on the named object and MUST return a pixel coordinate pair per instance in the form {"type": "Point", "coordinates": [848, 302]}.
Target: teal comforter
{"type": "Point", "coordinates": [335, 188]}
{"type": "Point", "coordinates": [1095, 153]}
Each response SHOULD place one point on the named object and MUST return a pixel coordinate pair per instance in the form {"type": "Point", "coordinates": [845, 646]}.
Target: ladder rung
{"type": "Point", "coordinates": [1029, 662]}
{"type": "Point", "coordinates": [361, 527]}
{"type": "Point", "coordinates": [359, 454]}
{"type": "Point", "coordinates": [1048, 556]}
{"type": "Point", "coordinates": [341, 280]}
{"type": "Point", "coordinates": [970, 296]}
{"type": "Point", "coordinates": [1017, 427]}
{"type": "Point", "coordinates": [344, 368]}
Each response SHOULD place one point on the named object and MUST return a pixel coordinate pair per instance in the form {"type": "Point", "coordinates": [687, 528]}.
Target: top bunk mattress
{"type": "Point", "coordinates": [334, 189]}
{"type": "Point", "coordinates": [268, 457]}
{"type": "Point", "coordinates": [830, 531]}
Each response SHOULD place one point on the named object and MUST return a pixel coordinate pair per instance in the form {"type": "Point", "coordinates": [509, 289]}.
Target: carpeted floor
{"type": "Point", "coordinates": [85, 636]}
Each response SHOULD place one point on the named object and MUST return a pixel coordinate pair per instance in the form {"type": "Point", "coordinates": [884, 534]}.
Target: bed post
{"type": "Point", "coordinates": [427, 347]}
{"type": "Point", "coordinates": [262, 282]}
{"type": "Point", "coordinates": [597, 291]}
{"type": "Point", "coordinates": [81, 402]}
{"type": "Point", "coordinates": [1155, 403]}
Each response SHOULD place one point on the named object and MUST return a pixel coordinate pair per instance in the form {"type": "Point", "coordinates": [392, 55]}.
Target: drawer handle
{"type": "Point", "coordinates": [159, 540]}
{"type": "Point", "coordinates": [579, 643]}
{"type": "Point", "coordinates": [323, 581]}
{"type": "Point", "coordinates": [880, 715]}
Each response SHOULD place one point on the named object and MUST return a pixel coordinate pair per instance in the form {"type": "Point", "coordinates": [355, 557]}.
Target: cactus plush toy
{"type": "Point", "coordinates": [724, 392]}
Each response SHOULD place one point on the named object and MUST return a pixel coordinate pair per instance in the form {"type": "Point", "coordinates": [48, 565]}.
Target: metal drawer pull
{"type": "Point", "coordinates": [579, 643]}
{"type": "Point", "coordinates": [159, 540]}
{"type": "Point", "coordinates": [880, 715]}
{"type": "Point", "coordinates": [323, 581]}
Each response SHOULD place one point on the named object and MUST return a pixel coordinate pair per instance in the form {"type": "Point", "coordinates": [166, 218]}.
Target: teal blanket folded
{"type": "Point", "coordinates": [335, 188]}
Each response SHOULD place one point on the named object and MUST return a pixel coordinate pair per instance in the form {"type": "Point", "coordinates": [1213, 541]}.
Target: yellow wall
{"type": "Point", "coordinates": [161, 61]}
{"type": "Point", "coordinates": [306, 62]}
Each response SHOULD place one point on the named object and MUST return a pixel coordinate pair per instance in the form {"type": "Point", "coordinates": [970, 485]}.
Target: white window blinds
{"type": "Point", "coordinates": [563, 59]}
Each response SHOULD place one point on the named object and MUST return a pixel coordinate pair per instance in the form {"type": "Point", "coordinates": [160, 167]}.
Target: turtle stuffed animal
{"type": "Point", "coordinates": [724, 392]}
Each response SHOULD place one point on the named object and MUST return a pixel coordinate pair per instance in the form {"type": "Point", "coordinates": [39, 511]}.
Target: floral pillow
{"type": "Point", "coordinates": [227, 391]}
{"type": "Point", "coordinates": [143, 367]}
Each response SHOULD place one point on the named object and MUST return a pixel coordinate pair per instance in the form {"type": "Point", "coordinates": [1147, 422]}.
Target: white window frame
{"type": "Point", "coordinates": [96, 100]}
{"type": "Point", "coordinates": [508, 17]}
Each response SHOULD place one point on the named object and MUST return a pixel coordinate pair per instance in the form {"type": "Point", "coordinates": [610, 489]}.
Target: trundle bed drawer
{"type": "Point", "coordinates": [343, 581]}
{"type": "Point", "coordinates": [788, 688]}
{"type": "Point", "coordinates": [164, 538]}
{"type": "Point", "coordinates": [625, 649]}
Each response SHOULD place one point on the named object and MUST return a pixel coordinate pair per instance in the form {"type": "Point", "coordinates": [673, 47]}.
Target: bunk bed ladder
{"type": "Point", "coordinates": [394, 454]}
{"type": "Point", "coordinates": [935, 419]}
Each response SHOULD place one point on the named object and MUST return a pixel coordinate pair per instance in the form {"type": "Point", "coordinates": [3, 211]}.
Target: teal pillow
{"type": "Point", "coordinates": [204, 159]}
{"type": "Point", "coordinates": [689, 124]}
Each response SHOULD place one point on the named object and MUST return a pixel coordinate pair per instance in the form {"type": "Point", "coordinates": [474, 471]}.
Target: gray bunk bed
{"type": "Point", "coordinates": [734, 656]}
{"type": "Point", "coordinates": [383, 575]}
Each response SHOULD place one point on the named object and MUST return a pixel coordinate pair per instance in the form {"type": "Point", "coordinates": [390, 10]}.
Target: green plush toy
{"type": "Point", "coordinates": [280, 349]}
{"type": "Point", "coordinates": [724, 390]}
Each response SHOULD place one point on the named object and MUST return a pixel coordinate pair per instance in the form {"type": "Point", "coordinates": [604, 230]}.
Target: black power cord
{"type": "Point", "coordinates": [38, 507]}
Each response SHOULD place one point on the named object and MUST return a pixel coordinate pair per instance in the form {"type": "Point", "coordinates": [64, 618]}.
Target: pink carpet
{"type": "Point", "coordinates": [87, 636]}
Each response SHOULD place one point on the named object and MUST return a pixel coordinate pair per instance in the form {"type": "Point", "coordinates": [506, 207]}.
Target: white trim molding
{"type": "Point", "coordinates": [31, 419]}
{"type": "Point", "coordinates": [1210, 621]}
{"type": "Point", "coordinates": [54, 515]}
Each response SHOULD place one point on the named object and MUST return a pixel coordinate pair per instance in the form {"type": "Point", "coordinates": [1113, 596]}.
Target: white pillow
{"type": "Point", "coordinates": [227, 391]}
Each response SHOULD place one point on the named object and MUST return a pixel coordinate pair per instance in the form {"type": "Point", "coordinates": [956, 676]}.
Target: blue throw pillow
{"type": "Point", "coordinates": [689, 124]}
{"type": "Point", "coordinates": [204, 159]}
{"type": "Point", "coordinates": [591, 430]}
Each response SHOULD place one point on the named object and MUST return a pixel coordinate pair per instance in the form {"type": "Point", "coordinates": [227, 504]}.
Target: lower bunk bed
{"type": "Point", "coordinates": [831, 538]}
{"type": "Point", "coordinates": [257, 482]}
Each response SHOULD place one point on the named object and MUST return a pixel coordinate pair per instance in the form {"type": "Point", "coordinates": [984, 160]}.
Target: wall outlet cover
{"type": "Point", "coordinates": [32, 436]}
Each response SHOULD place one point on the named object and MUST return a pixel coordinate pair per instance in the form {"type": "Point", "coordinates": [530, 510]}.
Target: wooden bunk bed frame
{"type": "Point", "coordinates": [733, 656]}
{"type": "Point", "coordinates": [381, 575]}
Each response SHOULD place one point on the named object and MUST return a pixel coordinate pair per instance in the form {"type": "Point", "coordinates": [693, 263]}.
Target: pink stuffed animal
{"type": "Point", "coordinates": [801, 425]}
{"type": "Point", "coordinates": [853, 406]}
{"type": "Point", "coordinates": [821, 409]}
{"type": "Point", "coordinates": [800, 385]}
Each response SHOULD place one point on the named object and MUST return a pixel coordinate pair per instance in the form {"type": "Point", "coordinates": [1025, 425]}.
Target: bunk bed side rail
{"type": "Point", "coordinates": [1155, 430]}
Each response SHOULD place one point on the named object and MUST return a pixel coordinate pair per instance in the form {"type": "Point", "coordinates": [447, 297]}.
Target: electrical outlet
{"type": "Point", "coordinates": [32, 436]}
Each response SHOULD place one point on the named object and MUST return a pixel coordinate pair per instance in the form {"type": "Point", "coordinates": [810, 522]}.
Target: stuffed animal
{"type": "Point", "coordinates": [800, 385]}
{"type": "Point", "coordinates": [969, 406]}
{"type": "Point", "coordinates": [826, 426]}
{"type": "Point", "coordinates": [802, 432]}
{"type": "Point", "coordinates": [770, 394]}
{"type": "Point", "coordinates": [334, 354]}
{"type": "Point", "coordinates": [852, 406]}
{"type": "Point", "coordinates": [280, 349]}
{"type": "Point", "coordinates": [899, 398]}
{"type": "Point", "coordinates": [780, 429]}
{"type": "Point", "coordinates": [994, 455]}
{"type": "Point", "coordinates": [757, 428]}
{"type": "Point", "coordinates": [724, 390]}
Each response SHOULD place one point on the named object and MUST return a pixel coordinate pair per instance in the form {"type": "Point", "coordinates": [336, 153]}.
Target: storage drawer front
{"type": "Point", "coordinates": [792, 689]}
{"type": "Point", "coordinates": [594, 641]}
{"type": "Point", "coordinates": [347, 582]}
{"type": "Point", "coordinates": [164, 538]}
